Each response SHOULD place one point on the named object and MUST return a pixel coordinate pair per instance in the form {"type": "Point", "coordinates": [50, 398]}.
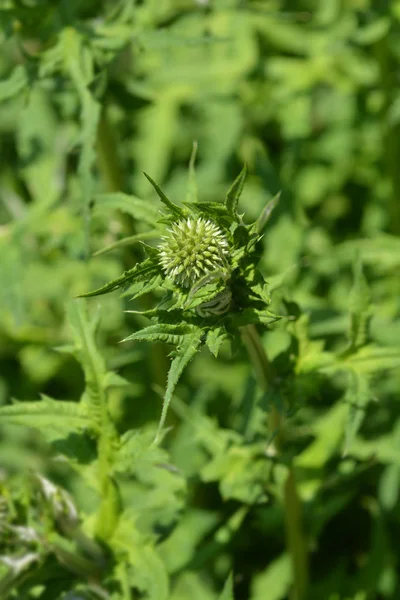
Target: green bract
{"type": "Point", "coordinates": [206, 264]}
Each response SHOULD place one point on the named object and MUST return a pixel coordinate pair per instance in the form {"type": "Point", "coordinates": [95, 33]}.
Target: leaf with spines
{"type": "Point", "coordinates": [163, 332]}
{"type": "Point", "coordinates": [216, 337]}
{"type": "Point", "coordinates": [182, 356]}
{"type": "Point", "coordinates": [139, 288]}
{"type": "Point", "coordinates": [174, 208]}
{"type": "Point", "coordinates": [234, 193]}
{"type": "Point", "coordinates": [54, 418]}
{"type": "Point", "coordinates": [140, 272]}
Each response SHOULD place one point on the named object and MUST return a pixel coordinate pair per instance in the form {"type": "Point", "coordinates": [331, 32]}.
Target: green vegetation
{"type": "Point", "coordinates": [243, 442]}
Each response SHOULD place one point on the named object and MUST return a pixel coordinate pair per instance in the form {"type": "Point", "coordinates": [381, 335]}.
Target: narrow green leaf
{"type": "Point", "coordinates": [191, 195]}
{"type": "Point", "coordinates": [262, 221]}
{"type": "Point", "coordinates": [174, 208]}
{"type": "Point", "coordinates": [140, 272]}
{"type": "Point", "coordinates": [14, 84]}
{"type": "Point", "coordinates": [274, 582]}
{"type": "Point", "coordinates": [141, 210]}
{"type": "Point", "coordinates": [183, 356]}
{"type": "Point", "coordinates": [130, 240]}
{"type": "Point", "coordinates": [163, 332]}
{"type": "Point", "coordinates": [359, 300]}
{"type": "Point", "coordinates": [227, 592]}
{"type": "Point", "coordinates": [357, 396]}
{"type": "Point", "coordinates": [234, 193]}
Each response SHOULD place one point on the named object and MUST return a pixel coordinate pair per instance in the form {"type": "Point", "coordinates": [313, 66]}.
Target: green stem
{"type": "Point", "coordinates": [391, 131]}
{"type": "Point", "coordinates": [295, 539]}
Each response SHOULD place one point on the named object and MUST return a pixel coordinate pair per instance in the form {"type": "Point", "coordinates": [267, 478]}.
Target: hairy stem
{"type": "Point", "coordinates": [296, 543]}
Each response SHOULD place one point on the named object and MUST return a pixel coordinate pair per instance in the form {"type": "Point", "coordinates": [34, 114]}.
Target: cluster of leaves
{"type": "Point", "coordinates": [175, 321]}
{"type": "Point", "coordinates": [93, 93]}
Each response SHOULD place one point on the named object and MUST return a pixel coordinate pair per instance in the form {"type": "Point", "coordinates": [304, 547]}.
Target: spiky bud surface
{"type": "Point", "coordinates": [192, 248]}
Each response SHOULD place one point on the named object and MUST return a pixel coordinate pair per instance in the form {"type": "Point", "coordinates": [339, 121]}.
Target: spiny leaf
{"type": "Point", "coordinates": [139, 272]}
{"type": "Point", "coordinates": [90, 358]}
{"type": "Point", "coordinates": [55, 417]}
{"type": "Point", "coordinates": [234, 193]}
{"type": "Point", "coordinates": [174, 208]}
{"type": "Point", "coordinates": [144, 287]}
{"type": "Point", "coordinates": [215, 338]}
{"type": "Point", "coordinates": [184, 354]}
{"type": "Point", "coordinates": [213, 210]}
{"type": "Point", "coordinates": [163, 332]}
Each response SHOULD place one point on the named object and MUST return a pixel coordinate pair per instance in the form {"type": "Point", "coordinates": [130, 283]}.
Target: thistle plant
{"type": "Point", "coordinates": [205, 263]}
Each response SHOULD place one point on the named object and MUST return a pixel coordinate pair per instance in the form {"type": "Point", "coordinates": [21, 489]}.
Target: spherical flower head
{"type": "Point", "coordinates": [192, 248]}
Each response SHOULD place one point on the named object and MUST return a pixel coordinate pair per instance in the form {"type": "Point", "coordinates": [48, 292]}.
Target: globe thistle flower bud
{"type": "Point", "coordinates": [191, 249]}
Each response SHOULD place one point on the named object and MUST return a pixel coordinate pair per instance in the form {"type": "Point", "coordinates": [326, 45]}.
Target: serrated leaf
{"type": "Point", "coordinates": [141, 210]}
{"type": "Point", "coordinates": [234, 193]}
{"type": "Point", "coordinates": [162, 332]}
{"type": "Point", "coordinates": [174, 208]}
{"type": "Point", "coordinates": [183, 356]}
{"type": "Point", "coordinates": [144, 287]}
{"type": "Point", "coordinates": [52, 417]}
{"type": "Point", "coordinates": [252, 315]}
{"type": "Point", "coordinates": [90, 358]}
{"type": "Point", "coordinates": [213, 210]}
{"type": "Point", "coordinates": [140, 272]}
{"type": "Point", "coordinates": [215, 338]}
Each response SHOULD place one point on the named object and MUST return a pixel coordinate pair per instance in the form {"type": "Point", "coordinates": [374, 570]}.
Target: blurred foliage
{"type": "Point", "coordinates": [92, 94]}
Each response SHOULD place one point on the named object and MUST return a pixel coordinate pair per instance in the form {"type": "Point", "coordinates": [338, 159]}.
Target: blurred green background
{"type": "Point", "coordinates": [306, 93]}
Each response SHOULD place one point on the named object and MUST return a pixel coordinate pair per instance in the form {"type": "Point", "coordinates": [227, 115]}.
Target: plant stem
{"type": "Point", "coordinates": [391, 131]}
{"type": "Point", "coordinates": [296, 543]}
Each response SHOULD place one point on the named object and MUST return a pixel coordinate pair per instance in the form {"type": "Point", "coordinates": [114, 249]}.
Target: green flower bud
{"type": "Point", "coordinates": [191, 249]}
